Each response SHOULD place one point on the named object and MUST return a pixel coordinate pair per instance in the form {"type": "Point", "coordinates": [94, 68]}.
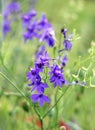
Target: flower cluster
{"type": "Point", "coordinates": [55, 74]}
{"type": "Point", "coordinates": [67, 40]}
{"type": "Point", "coordinates": [36, 80]}
{"type": "Point", "coordinates": [40, 29]}
{"type": "Point", "coordinates": [46, 68]}
{"type": "Point", "coordinates": [11, 9]}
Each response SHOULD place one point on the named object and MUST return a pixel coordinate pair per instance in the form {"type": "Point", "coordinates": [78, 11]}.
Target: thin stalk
{"type": "Point", "coordinates": [21, 93]}
{"type": "Point", "coordinates": [56, 107]}
{"type": "Point", "coordinates": [60, 36]}
{"type": "Point", "coordinates": [3, 75]}
{"type": "Point", "coordinates": [41, 124]}
{"type": "Point", "coordinates": [9, 73]}
{"type": "Point", "coordinates": [53, 106]}
{"type": "Point", "coordinates": [49, 124]}
{"type": "Point", "coordinates": [63, 94]}
{"type": "Point", "coordinates": [40, 117]}
{"type": "Point", "coordinates": [12, 94]}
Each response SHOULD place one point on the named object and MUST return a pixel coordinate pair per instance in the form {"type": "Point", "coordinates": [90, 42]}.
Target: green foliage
{"type": "Point", "coordinates": [76, 103]}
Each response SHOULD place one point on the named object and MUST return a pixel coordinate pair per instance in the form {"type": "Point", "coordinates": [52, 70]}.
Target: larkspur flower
{"type": "Point", "coordinates": [42, 62]}
{"type": "Point", "coordinates": [68, 45]}
{"type": "Point", "coordinates": [14, 7]}
{"type": "Point", "coordinates": [11, 9]}
{"type": "Point", "coordinates": [40, 52]}
{"type": "Point", "coordinates": [57, 76]}
{"type": "Point", "coordinates": [43, 23]}
{"type": "Point", "coordinates": [31, 32]}
{"type": "Point", "coordinates": [39, 86]}
{"type": "Point", "coordinates": [32, 13]}
{"type": "Point", "coordinates": [6, 27]}
{"type": "Point", "coordinates": [41, 30]}
{"type": "Point", "coordinates": [67, 40]}
{"type": "Point", "coordinates": [6, 13]}
{"type": "Point", "coordinates": [49, 37]}
{"type": "Point", "coordinates": [64, 31]}
{"type": "Point", "coordinates": [45, 59]}
{"type": "Point", "coordinates": [64, 61]}
{"type": "Point", "coordinates": [33, 75]}
{"type": "Point", "coordinates": [41, 98]}
{"type": "Point", "coordinates": [35, 81]}
{"type": "Point", "coordinates": [39, 66]}
{"type": "Point", "coordinates": [26, 36]}
{"type": "Point", "coordinates": [26, 18]}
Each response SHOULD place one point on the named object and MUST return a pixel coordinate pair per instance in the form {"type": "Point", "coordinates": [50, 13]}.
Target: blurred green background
{"type": "Point", "coordinates": [79, 17]}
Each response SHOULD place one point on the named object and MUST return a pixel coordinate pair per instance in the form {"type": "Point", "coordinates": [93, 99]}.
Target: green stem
{"type": "Point", "coordinates": [60, 36]}
{"type": "Point", "coordinates": [21, 93]}
{"type": "Point", "coordinates": [3, 75]}
{"type": "Point", "coordinates": [40, 117]}
{"type": "Point", "coordinates": [9, 73]}
{"type": "Point", "coordinates": [63, 94]}
{"type": "Point", "coordinates": [12, 94]}
{"type": "Point", "coordinates": [41, 124]}
{"type": "Point", "coordinates": [56, 107]}
{"type": "Point", "coordinates": [53, 106]}
{"type": "Point", "coordinates": [6, 69]}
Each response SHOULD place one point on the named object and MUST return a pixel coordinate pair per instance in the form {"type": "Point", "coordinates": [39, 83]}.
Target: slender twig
{"type": "Point", "coordinates": [12, 94]}
{"type": "Point", "coordinates": [56, 107]}
{"type": "Point", "coordinates": [53, 106]}
{"type": "Point", "coordinates": [63, 94]}
{"type": "Point", "coordinates": [3, 75]}
{"type": "Point", "coordinates": [9, 73]}
{"type": "Point", "coordinates": [40, 117]}
{"type": "Point", "coordinates": [21, 93]}
{"type": "Point", "coordinates": [41, 124]}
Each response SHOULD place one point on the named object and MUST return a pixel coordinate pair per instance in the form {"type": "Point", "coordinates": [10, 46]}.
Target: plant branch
{"type": "Point", "coordinates": [3, 75]}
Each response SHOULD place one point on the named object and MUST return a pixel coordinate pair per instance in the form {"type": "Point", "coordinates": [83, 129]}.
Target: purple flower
{"type": "Point", "coordinates": [39, 66]}
{"type": "Point", "coordinates": [39, 86]}
{"type": "Point", "coordinates": [31, 32]}
{"type": "Point", "coordinates": [28, 17]}
{"type": "Point", "coordinates": [67, 44]}
{"type": "Point", "coordinates": [33, 76]}
{"type": "Point", "coordinates": [43, 24]}
{"type": "Point", "coordinates": [27, 36]}
{"type": "Point", "coordinates": [6, 27]}
{"type": "Point", "coordinates": [45, 59]}
{"type": "Point", "coordinates": [42, 62]}
{"type": "Point", "coordinates": [41, 98]}
{"type": "Point", "coordinates": [31, 28]}
{"type": "Point", "coordinates": [49, 37]}
{"type": "Point", "coordinates": [14, 7]}
{"type": "Point", "coordinates": [11, 9]}
{"type": "Point", "coordinates": [32, 13]}
{"type": "Point", "coordinates": [35, 79]}
{"type": "Point", "coordinates": [40, 51]}
{"type": "Point", "coordinates": [64, 32]}
{"type": "Point", "coordinates": [39, 29]}
{"type": "Point", "coordinates": [6, 13]}
{"type": "Point", "coordinates": [56, 76]}
{"type": "Point", "coordinates": [64, 61]}
{"type": "Point", "coordinates": [48, 32]}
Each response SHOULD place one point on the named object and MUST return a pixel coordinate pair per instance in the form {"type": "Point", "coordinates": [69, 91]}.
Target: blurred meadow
{"type": "Point", "coordinates": [77, 108]}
